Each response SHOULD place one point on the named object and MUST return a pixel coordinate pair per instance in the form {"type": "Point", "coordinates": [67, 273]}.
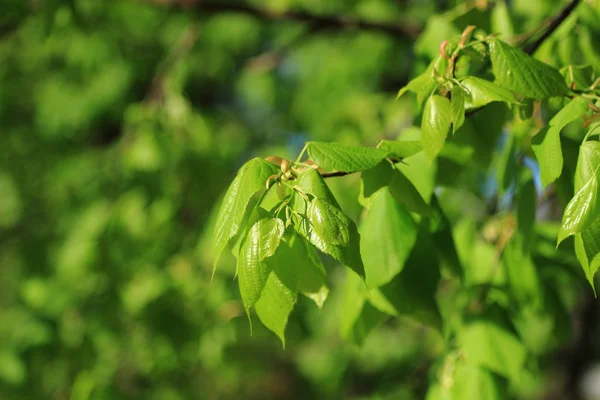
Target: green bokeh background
{"type": "Point", "coordinates": [121, 125]}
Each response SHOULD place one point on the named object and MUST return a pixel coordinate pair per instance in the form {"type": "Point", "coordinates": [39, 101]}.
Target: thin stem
{"type": "Point", "coordinates": [301, 154]}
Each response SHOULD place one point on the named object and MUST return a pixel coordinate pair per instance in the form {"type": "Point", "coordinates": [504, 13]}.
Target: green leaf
{"type": "Point", "coordinates": [388, 235]}
{"type": "Point", "coordinates": [583, 207]}
{"type": "Point", "coordinates": [407, 194]}
{"type": "Point", "coordinates": [506, 165]}
{"type": "Point", "coordinates": [579, 209]}
{"type": "Point", "coordinates": [420, 172]}
{"type": "Point", "coordinates": [587, 250]}
{"type": "Point", "coordinates": [340, 157]}
{"type": "Point", "coordinates": [569, 113]}
{"type": "Point", "coordinates": [489, 345]}
{"type": "Point", "coordinates": [457, 107]}
{"type": "Point", "coordinates": [299, 267]}
{"type": "Point", "coordinates": [375, 178]}
{"type": "Point", "coordinates": [501, 20]}
{"type": "Point", "coordinates": [546, 144]}
{"type": "Point", "coordinates": [481, 92]}
{"type": "Point", "coordinates": [578, 76]}
{"type": "Point", "coordinates": [313, 183]}
{"type": "Point", "coordinates": [402, 148]}
{"type": "Point", "coordinates": [261, 243]}
{"type": "Point", "coordinates": [249, 181]}
{"type": "Point", "coordinates": [422, 83]}
{"type": "Point", "coordinates": [275, 305]}
{"type": "Point", "coordinates": [354, 300]}
{"type": "Point", "coordinates": [412, 291]}
{"type": "Point", "coordinates": [435, 125]}
{"type": "Point", "coordinates": [329, 222]}
{"type": "Point", "coordinates": [472, 383]}
{"type": "Point", "coordinates": [523, 74]}
{"type": "Point", "coordinates": [349, 255]}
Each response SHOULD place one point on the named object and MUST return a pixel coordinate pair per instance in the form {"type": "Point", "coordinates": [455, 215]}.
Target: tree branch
{"type": "Point", "coordinates": [320, 22]}
{"type": "Point", "coordinates": [554, 24]}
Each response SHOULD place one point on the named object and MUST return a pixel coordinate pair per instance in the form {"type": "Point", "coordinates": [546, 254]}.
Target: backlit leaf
{"type": "Point", "coordinates": [435, 125]}
{"type": "Point", "coordinates": [275, 305]}
{"type": "Point", "coordinates": [388, 235]}
{"type": "Point", "coordinates": [480, 92]}
{"type": "Point", "coordinates": [546, 144]}
{"type": "Point", "coordinates": [250, 180]}
{"type": "Point", "coordinates": [523, 74]}
{"type": "Point", "coordinates": [407, 194]}
{"type": "Point", "coordinates": [583, 207]}
{"type": "Point", "coordinates": [329, 222]}
{"type": "Point", "coordinates": [457, 107]}
{"type": "Point", "coordinates": [261, 243]}
{"type": "Point", "coordinates": [402, 148]}
{"type": "Point", "coordinates": [341, 157]}
{"type": "Point", "coordinates": [349, 255]}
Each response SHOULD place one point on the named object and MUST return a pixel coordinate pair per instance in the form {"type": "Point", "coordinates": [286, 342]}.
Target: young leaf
{"type": "Point", "coordinates": [489, 345]}
{"type": "Point", "coordinates": [407, 194]}
{"type": "Point", "coordinates": [578, 211]}
{"type": "Point", "coordinates": [275, 305]}
{"type": "Point", "coordinates": [546, 144]}
{"type": "Point", "coordinates": [388, 235]}
{"type": "Point", "coordinates": [402, 148]}
{"type": "Point", "coordinates": [457, 107]}
{"type": "Point", "coordinates": [587, 250]}
{"type": "Point", "coordinates": [523, 74]}
{"type": "Point", "coordinates": [340, 157]}
{"type": "Point", "coordinates": [422, 83]}
{"type": "Point", "coordinates": [583, 207]}
{"type": "Point", "coordinates": [481, 92]}
{"type": "Point", "coordinates": [329, 222]}
{"type": "Point", "coordinates": [435, 125]}
{"type": "Point", "coordinates": [312, 182]}
{"type": "Point", "coordinates": [250, 180]}
{"type": "Point", "coordinates": [260, 243]}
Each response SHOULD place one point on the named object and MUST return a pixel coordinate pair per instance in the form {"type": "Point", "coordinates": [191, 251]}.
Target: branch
{"type": "Point", "coordinates": [554, 24]}
{"type": "Point", "coordinates": [324, 22]}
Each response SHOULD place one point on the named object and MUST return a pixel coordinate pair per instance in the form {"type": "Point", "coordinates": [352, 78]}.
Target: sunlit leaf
{"type": "Point", "coordinates": [340, 157]}
{"type": "Point", "coordinates": [402, 148]}
{"type": "Point", "coordinates": [435, 125]}
{"type": "Point", "coordinates": [407, 194]}
{"type": "Point", "coordinates": [523, 74]}
{"type": "Point", "coordinates": [546, 144]}
{"type": "Point", "coordinates": [261, 243]}
{"type": "Point", "coordinates": [583, 207]}
{"type": "Point", "coordinates": [250, 180]}
{"type": "Point", "coordinates": [329, 222]}
{"type": "Point", "coordinates": [388, 235]}
{"type": "Point", "coordinates": [349, 255]}
{"type": "Point", "coordinates": [480, 92]}
{"type": "Point", "coordinates": [457, 107]}
{"type": "Point", "coordinates": [275, 305]}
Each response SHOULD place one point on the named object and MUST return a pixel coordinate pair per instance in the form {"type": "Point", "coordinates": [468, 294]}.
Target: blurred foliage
{"type": "Point", "coordinates": [121, 125]}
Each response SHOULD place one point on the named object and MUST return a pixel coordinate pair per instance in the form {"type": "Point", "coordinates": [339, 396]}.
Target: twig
{"type": "Point", "coordinates": [554, 24]}
{"type": "Point", "coordinates": [322, 22]}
